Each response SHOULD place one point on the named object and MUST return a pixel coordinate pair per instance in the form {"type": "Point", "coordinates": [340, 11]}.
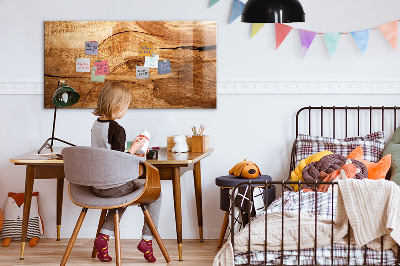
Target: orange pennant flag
{"type": "Point", "coordinates": [389, 30]}
{"type": "Point", "coordinates": [281, 31]}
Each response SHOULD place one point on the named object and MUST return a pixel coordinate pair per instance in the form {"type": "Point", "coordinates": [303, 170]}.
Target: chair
{"type": "Point", "coordinates": [85, 167]}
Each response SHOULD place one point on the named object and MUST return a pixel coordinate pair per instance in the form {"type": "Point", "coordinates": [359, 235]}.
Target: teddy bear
{"type": "Point", "coordinates": [245, 169]}
{"type": "Point", "coordinates": [180, 144]}
{"type": "Point", "coordinates": [13, 215]}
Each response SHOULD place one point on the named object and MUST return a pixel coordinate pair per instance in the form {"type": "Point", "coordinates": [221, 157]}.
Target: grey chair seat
{"type": "Point", "coordinates": [83, 196]}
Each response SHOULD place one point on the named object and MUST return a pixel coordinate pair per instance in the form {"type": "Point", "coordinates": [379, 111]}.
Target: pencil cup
{"type": "Point", "coordinates": [200, 143]}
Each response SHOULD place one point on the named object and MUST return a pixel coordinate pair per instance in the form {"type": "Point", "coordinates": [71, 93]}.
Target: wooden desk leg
{"type": "Point", "coordinates": [176, 183]}
{"type": "Point", "coordinates": [199, 204]}
{"type": "Point", "coordinates": [60, 191]}
{"type": "Point", "coordinates": [27, 206]}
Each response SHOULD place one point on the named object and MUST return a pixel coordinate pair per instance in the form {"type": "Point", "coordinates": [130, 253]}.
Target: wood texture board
{"type": "Point", "coordinates": [189, 45]}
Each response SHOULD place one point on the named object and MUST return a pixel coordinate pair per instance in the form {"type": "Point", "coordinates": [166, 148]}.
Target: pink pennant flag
{"type": "Point", "coordinates": [281, 31]}
{"type": "Point", "coordinates": [306, 39]}
{"type": "Point", "coordinates": [389, 30]}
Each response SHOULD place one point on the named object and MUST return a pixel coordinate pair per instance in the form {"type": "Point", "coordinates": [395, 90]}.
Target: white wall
{"type": "Point", "coordinates": [258, 127]}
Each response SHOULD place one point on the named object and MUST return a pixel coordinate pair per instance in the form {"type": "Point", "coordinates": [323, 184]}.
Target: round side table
{"type": "Point", "coordinates": [226, 183]}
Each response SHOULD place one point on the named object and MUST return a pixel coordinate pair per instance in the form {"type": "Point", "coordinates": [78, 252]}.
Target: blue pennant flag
{"type": "Point", "coordinates": [237, 9]}
{"type": "Point", "coordinates": [213, 2]}
{"type": "Point", "coordinates": [332, 41]}
{"type": "Point", "coordinates": [361, 38]}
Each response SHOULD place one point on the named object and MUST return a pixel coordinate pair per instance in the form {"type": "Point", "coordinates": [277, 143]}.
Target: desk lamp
{"type": "Point", "coordinates": [63, 97]}
{"type": "Point", "coordinates": [273, 11]}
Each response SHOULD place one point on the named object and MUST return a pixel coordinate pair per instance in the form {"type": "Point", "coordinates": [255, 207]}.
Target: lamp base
{"type": "Point", "coordinates": [50, 146]}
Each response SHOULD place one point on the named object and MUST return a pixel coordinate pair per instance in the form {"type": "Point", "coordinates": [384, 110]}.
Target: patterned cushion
{"type": "Point", "coordinates": [372, 144]}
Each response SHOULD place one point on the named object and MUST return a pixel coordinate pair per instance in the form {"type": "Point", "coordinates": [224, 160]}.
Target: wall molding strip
{"type": "Point", "coordinates": [258, 87]}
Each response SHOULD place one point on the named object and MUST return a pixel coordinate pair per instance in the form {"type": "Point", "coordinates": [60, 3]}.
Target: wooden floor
{"type": "Point", "coordinates": [50, 252]}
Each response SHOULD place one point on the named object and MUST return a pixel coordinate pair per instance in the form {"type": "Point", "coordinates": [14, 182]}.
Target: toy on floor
{"type": "Point", "coordinates": [245, 169]}
{"type": "Point", "coordinates": [180, 144]}
{"type": "Point", "coordinates": [13, 215]}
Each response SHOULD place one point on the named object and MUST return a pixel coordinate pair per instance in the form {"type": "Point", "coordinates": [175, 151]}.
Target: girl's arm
{"type": "Point", "coordinates": [136, 145]}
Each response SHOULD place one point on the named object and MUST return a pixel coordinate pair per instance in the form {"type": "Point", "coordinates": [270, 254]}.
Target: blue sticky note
{"type": "Point", "coordinates": [91, 48]}
{"type": "Point", "coordinates": [164, 67]}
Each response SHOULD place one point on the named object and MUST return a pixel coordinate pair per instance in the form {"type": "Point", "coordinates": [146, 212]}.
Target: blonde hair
{"type": "Point", "coordinates": [112, 99]}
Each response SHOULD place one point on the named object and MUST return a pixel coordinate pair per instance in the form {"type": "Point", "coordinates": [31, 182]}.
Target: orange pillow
{"type": "Point", "coordinates": [375, 170]}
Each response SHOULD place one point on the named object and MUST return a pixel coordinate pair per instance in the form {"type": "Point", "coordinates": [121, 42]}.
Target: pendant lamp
{"type": "Point", "coordinates": [64, 96]}
{"type": "Point", "coordinates": [273, 11]}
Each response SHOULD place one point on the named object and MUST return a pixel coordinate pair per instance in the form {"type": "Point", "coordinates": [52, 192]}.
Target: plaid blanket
{"type": "Point", "coordinates": [323, 205]}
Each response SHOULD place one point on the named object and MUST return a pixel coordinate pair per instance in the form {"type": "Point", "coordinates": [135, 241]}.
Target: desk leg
{"type": "Point", "coordinates": [199, 204]}
{"type": "Point", "coordinates": [27, 206]}
{"type": "Point", "coordinates": [60, 190]}
{"type": "Point", "coordinates": [176, 182]}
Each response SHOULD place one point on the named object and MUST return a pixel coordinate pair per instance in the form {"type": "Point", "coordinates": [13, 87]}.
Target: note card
{"type": "Point", "coordinates": [99, 78]}
{"type": "Point", "coordinates": [142, 72]}
{"type": "Point", "coordinates": [91, 48]}
{"type": "Point", "coordinates": [164, 67]}
{"type": "Point", "coordinates": [145, 49]}
{"type": "Point", "coordinates": [151, 61]}
{"type": "Point", "coordinates": [102, 67]}
{"type": "Point", "coordinates": [83, 65]}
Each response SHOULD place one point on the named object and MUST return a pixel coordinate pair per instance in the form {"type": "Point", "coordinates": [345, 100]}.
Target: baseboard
{"type": "Point", "coordinates": [257, 87]}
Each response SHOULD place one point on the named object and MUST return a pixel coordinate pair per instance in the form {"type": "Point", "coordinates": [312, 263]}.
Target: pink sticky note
{"type": "Point", "coordinates": [102, 68]}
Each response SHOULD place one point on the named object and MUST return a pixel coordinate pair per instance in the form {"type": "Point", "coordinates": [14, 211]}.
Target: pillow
{"type": "Point", "coordinates": [375, 170]}
{"type": "Point", "coordinates": [372, 144]}
{"type": "Point", "coordinates": [393, 148]}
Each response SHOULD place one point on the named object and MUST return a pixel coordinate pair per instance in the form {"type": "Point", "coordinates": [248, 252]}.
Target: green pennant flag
{"type": "Point", "coordinates": [256, 27]}
{"type": "Point", "coordinates": [213, 2]}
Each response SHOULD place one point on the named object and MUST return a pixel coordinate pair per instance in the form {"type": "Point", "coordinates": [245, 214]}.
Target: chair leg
{"type": "Point", "coordinates": [117, 238]}
{"type": "Point", "coordinates": [154, 230]}
{"type": "Point", "coordinates": [73, 237]}
{"type": "Point", "coordinates": [101, 222]}
{"type": "Point", "coordinates": [223, 229]}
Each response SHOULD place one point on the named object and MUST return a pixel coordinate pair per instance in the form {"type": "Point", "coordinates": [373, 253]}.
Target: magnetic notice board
{"type": "Point", "coordinates": [190, 47]}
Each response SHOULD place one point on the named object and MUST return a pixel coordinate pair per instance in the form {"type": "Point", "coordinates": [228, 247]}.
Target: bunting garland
{"type": "Point", "coordinates": [332, 41]}
{"type": "Point", "coordinates": [361, 37]}
{"type": "Point", "coordinates": [237, 9]}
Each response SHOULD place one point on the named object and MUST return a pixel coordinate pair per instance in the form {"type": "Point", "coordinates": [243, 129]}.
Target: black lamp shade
{"type": "Point", "coordinates": [65, 96]}
{"type": "Point", "coordinates": [273, 11]}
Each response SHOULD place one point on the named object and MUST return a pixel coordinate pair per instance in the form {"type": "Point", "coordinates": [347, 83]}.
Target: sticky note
{"type": "Point", "coordinates": [142, 72]}
{"type": "Point", "coordinates": [91, 48]}
{"type": "Point", "coordinates": [146, 49]}
{"type": "Point", "coordinates": [151, 61]}
{"type": "Point", "coordinates": [83, 65]}
{"type": "Point", "coordinates": [164, 67]}
{"type": "Point", "coordinates": [99, 78]}
{"type": "Point", "coordinates": [102, 67]}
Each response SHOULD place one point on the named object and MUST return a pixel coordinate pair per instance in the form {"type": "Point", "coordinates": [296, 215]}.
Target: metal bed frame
{"type": "Point", "coordinates": [283, 184]}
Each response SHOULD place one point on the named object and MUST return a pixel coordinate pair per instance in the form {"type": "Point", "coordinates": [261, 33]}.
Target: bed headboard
{"type": "Point", "coordinates": [344, 121]}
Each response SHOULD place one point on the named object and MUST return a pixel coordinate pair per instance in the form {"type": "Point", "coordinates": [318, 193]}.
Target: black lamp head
{"type": "Point", "coordinates": [273, 11]}
{"type": "Point", "coordinates": [65, 96]}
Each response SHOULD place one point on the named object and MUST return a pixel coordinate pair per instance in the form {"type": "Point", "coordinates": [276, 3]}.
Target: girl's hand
{"type": "Point", "coordinates": [137, 144]}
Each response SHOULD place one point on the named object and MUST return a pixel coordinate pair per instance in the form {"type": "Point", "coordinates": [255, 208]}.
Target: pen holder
{"type": "Point", "coordinates": [200, 143]}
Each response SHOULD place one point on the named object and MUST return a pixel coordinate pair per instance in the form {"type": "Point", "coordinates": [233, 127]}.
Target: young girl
{"type": "Point", "coordinates": [113, 103]}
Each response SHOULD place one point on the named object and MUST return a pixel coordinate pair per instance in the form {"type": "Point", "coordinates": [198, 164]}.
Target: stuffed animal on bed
{"type": "Point", "coordinates": [245, 169]}
{"type": "Point", "coordinates": [13, 215]}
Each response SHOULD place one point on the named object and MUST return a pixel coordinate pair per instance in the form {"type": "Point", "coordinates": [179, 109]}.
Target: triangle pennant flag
{"type": "Point", "coordinates": [306, 39]}
{"type": "Point", "coordinates": [361, 37]}
{"type": "Point", "coordinates": [237, 9]}
{"type": "Point", "coordinates": [213, 2]}
{"type": "Point", "coordinates": [332, 41]}
{"type": "Point", "coordinates": [281, 31]}
{"type": "Point", "coordinates": [389, 30]}
{"type": "Point", "coordinates": [256, 27]}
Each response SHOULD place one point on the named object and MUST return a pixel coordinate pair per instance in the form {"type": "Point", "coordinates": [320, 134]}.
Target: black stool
{"type": "Point", "coordinates": [226, 183]}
